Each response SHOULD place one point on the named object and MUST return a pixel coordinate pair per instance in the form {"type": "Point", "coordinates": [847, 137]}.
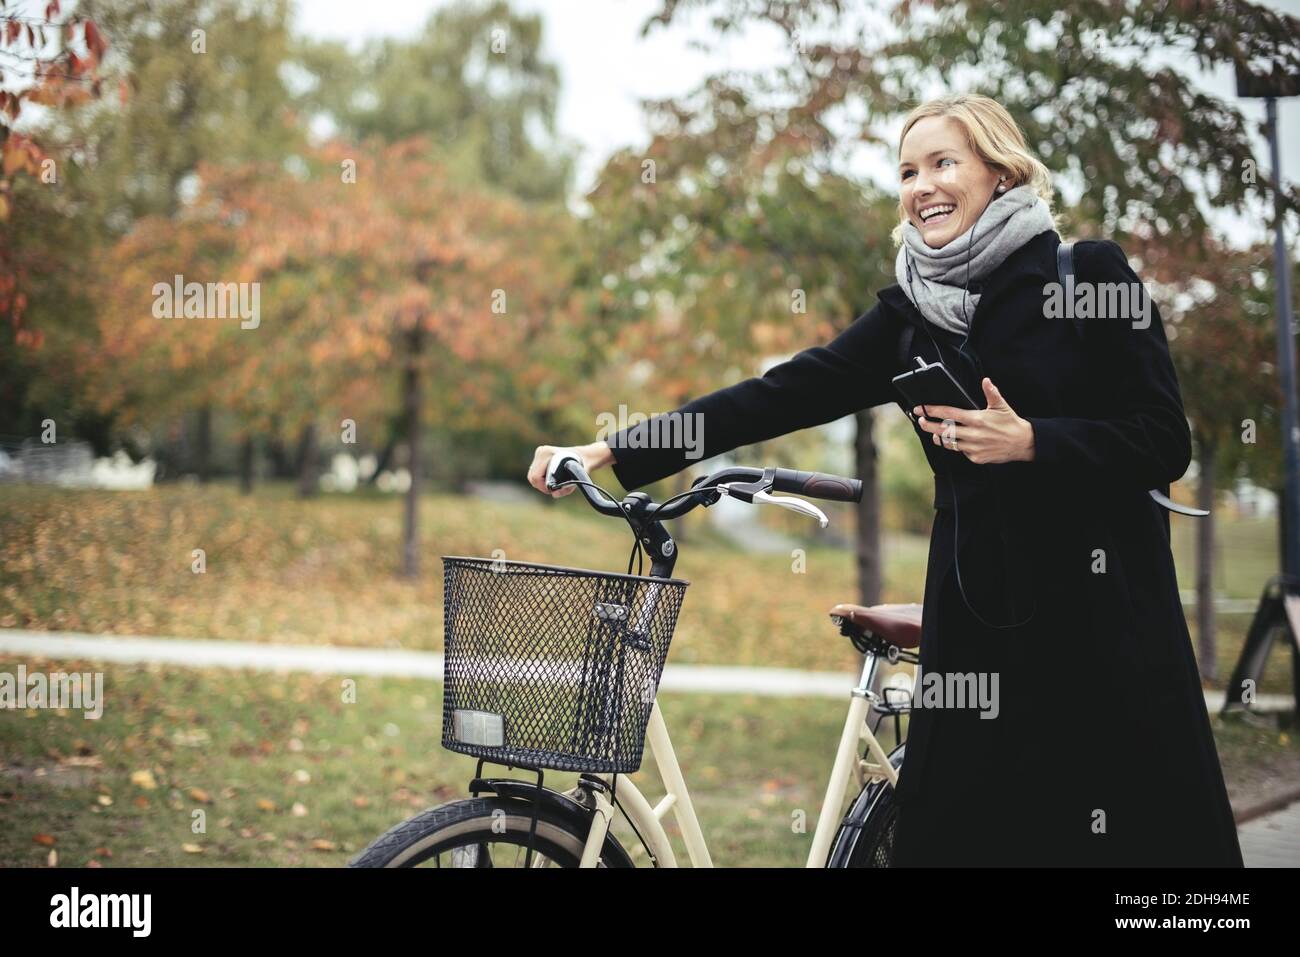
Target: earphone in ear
{"type": "Point", "coordinates": [1002, 184]}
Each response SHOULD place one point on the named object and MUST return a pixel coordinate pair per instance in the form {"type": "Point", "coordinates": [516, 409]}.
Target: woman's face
{"type": "Point", "coordinates": [943, 185]}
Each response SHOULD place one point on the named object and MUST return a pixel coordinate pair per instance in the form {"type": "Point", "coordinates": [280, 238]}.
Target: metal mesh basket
{"type": "Point", "coordinates": [553, 667]}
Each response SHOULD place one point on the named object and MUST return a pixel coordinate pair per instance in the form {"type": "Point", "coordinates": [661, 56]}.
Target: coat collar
{"type": "Point", "coordinates": [1037, 258]}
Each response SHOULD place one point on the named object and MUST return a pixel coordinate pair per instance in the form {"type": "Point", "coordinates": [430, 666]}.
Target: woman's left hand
{"type": "Point", "coordinates": [985, 436]}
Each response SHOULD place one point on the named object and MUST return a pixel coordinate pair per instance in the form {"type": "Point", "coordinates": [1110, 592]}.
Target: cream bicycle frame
{"type": "Point", "coordinates": [648, 820]}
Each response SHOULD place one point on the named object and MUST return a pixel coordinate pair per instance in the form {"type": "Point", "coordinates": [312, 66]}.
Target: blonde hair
{"type": "Point", "coordinates": [994, 137]}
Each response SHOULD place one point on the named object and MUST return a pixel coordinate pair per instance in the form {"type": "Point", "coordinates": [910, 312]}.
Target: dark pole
{"type": "Point", "coordinates": [1272, 609]}
{"type": "Point", "coordinates": [1286, 361]}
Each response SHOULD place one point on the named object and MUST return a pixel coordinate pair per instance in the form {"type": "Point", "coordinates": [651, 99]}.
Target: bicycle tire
{"type": "Point", "coordinates": [474, 823]}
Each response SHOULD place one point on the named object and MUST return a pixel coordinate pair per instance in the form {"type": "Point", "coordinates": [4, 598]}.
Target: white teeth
{"type": "Point", "coordinates": [932, 211]}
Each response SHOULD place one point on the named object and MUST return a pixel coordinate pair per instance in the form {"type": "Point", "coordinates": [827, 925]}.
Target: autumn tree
{"type": "Point", "coordinates": [50, 64]}
{"type": "Point", "coordinates": [200, 79]}
{"type": "Point", "coordinates": [474, 81]}
{"type": "Point", "coordinates": [1091, 84]}
{"type": "Point", "coordinates": [389, 287]}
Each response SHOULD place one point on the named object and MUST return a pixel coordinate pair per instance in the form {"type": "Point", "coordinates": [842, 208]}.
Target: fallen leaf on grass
{"type": "Point", "coordinates": [53, 859]}
{"type": "Point", "coordinates": [194, 738]}
{"type": "Point", "coordinates": [82, 761]}
{"type": "Point", "coordinates": [320, 844]}
{"type": "Point", "coordinates": [46, 839]}
{"type": "Point", "coordinates": [263, 804]}
{"type": "Point", "coordinates": [104, 800]}
{"type": "Point", "coordinates": [200, 795]}
{"type": "Point", "coordinates": [192, 848]}
{"type": "Point", "coordinates": [144, 779]}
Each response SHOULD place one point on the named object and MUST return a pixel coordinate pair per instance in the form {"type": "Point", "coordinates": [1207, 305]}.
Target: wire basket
{"type": "Point", "coordinates": [551, 667]}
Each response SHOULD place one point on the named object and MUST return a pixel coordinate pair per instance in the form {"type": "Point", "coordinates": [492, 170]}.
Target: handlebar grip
{"type": "Point", "coordinates": [834, 488]}
{"type": "Point", "coordinates": [563, 467]}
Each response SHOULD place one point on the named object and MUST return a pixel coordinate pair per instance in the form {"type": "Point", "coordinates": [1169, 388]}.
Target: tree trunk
{"type": "Point", "coordinates": [203, 444]}
{"type": "Point", "coordinates": [282, 466]}
{"type": "Point", "coordinates": [385, 457]}
{"type": "Point", "coordinates": [1205, 650]}
{"type": "Point", "coordinates": [411, 523]}
{"type": "Point", "coordinates": [870, 579]}
{"type": "Point", "coordinates": [308, 461]}
{"type": "Point", "coordinates": [246, 465]}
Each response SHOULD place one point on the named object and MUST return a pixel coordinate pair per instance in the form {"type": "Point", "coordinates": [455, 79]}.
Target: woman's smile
{"type": "Point", "coordinates": [935, 213]}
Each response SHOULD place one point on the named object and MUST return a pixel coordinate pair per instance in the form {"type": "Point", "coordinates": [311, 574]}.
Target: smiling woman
{"type": "Point", "coordinates": [974, 209]}
{"type": "Point", "coordinates": [952, 160]}
{"type": "Point", "coordinates": [1057, 587]}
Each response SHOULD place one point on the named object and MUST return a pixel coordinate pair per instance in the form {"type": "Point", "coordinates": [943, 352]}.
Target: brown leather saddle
{"type": "Point", "coordinates": [899, 625]}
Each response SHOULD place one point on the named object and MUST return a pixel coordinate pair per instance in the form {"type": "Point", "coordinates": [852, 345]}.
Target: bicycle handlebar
{"type": "Point", "coordinates": [566, 467]}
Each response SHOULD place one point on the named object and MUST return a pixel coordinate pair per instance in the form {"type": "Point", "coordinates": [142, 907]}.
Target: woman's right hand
{"type": "Point", "coordinates": [594, 456]}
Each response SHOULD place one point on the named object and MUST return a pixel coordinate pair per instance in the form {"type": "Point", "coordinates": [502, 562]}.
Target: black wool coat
{"type": "Point", "coordinates": [1101, 751]}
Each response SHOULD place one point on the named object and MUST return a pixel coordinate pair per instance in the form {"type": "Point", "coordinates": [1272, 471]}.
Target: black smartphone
{"type": "Point", "coordinates": [932, 384]}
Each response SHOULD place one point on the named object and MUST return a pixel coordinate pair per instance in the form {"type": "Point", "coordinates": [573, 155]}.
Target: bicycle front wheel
{"type": "Point", "coordinates": [484, 832]}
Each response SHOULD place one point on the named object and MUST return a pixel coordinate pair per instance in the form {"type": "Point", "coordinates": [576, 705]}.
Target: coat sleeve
{"type": "Point", "coordinates": [1146, 443]}
{"type": "Point", "coordinates": [818, 385]}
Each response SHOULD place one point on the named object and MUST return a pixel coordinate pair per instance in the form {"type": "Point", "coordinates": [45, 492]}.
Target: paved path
{"type": "Point", "coordinates": [329, 659]}
{"type": "Point", "coordinates": [1272, 840]}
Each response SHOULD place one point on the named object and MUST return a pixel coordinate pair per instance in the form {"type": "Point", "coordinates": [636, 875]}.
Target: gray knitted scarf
{"type": "Point", "coordinates": [938, 275]}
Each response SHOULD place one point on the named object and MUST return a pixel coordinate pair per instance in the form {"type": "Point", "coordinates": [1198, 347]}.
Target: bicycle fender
{"type": "Point", "coordinates": [850, 829]}
{"type": "Point", "coordinates": [570, 810]}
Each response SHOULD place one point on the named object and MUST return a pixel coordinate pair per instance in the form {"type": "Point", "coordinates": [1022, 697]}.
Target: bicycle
{"type": "Point", "coordinates": [584, 698]}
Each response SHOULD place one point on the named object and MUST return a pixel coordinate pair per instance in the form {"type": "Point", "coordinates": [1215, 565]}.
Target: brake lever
{"type": "Point", "coordinates": [793, 504]}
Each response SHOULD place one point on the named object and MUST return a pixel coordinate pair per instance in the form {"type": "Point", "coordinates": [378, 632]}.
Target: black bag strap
{"type": "Point", "coordinates": [1064, 268]}
{"type": "Point", "coordinates": [905, 345]}
{"type": "Point", "coordinates": [1064, 272]}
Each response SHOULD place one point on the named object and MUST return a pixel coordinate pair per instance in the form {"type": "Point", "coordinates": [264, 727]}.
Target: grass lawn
{"type": "Point", "coordinates": [287, 774]}
{"type": "Point", "coordinates": [325, 571]}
